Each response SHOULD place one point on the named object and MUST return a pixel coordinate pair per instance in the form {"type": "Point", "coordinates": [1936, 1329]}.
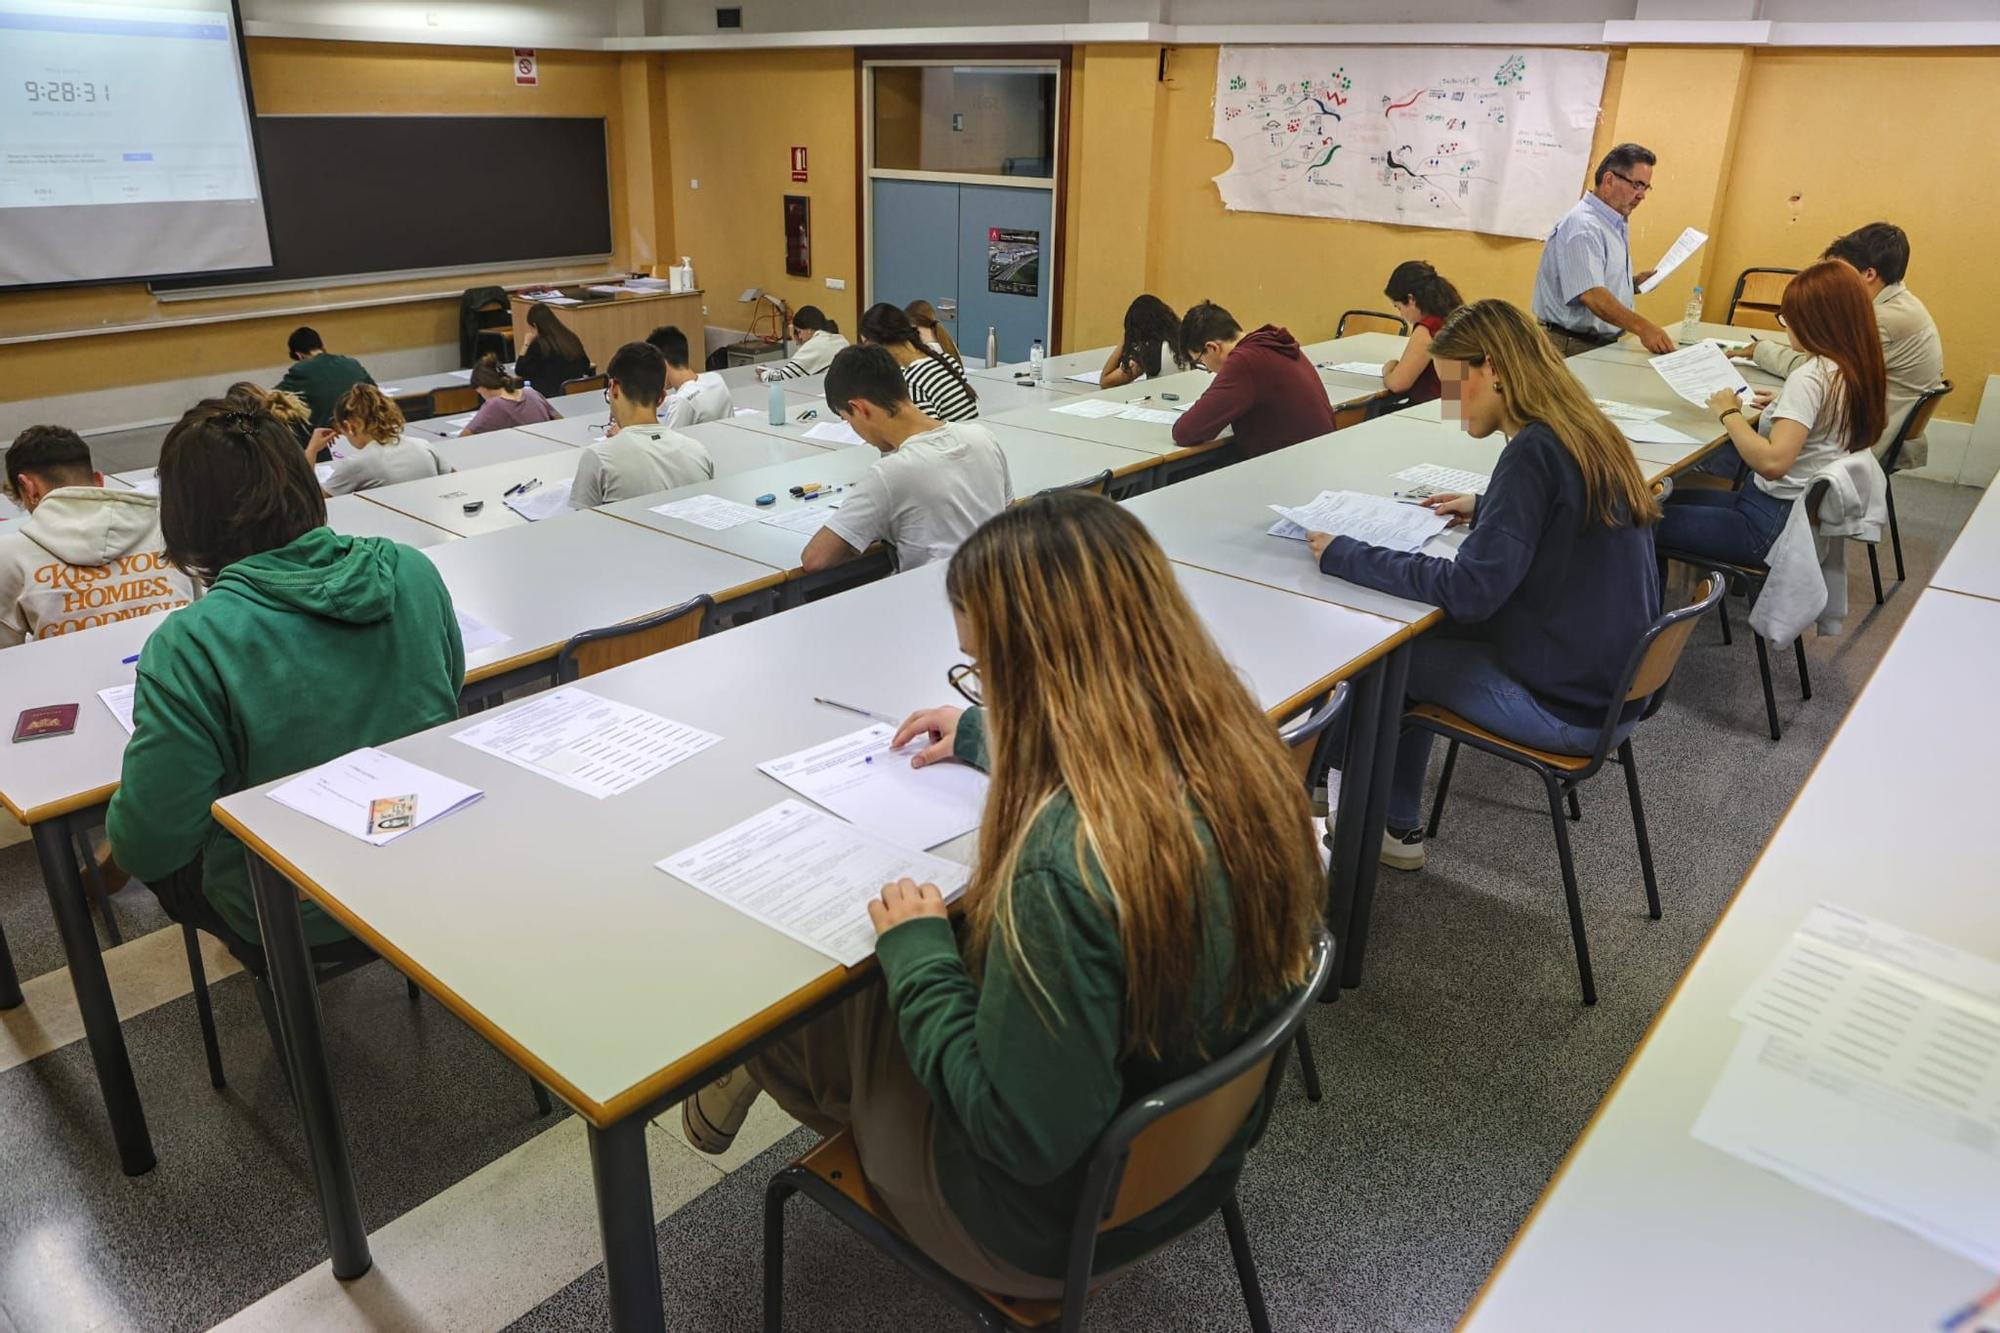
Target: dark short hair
{"type": "Point", "coordinates": [1882, 246]}
{"type": "Point", "coordinates": [233, 483]}
{"type": "Point", "coordinates": [1204, 324]}
{"type": "Point", "coordinates": [1622, 159]}
{"type": "Point", "coordinates": [868, 373]}
{"type": "Point", "coordinates": [53, 453]}
{"type": "Point", "coordinates": [673, 345]}
{"type": "Point", "coordinates": [640, 372]}
{"type": "Point", "coordinates": [304, 340]}
{"type": "Point", "coordinates": [811, 317]}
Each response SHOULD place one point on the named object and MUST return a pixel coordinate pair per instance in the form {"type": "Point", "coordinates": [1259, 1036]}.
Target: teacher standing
{"type": "Point", "coordinates": [1584, 287]}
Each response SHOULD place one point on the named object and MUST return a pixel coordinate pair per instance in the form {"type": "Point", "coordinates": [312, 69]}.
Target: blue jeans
{"type": "Point", "coordinates": [1738, 526]}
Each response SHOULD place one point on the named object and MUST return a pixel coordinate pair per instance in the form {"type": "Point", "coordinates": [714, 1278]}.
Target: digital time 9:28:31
{"type": "Point", "coordinates": [49, 90]}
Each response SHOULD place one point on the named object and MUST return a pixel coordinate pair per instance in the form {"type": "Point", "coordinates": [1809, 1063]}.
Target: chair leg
{"type": "Point", "coordinates": [410, 988]}
{"type": "Point", "coordinates": [1308, 1069]}
{"type": "Point", "coordinates": [1895, 529]}
{"type": "Point", "coordinates": [1805, 677]}
{"type": "Point", "coordinates": [1722, 613]}
{"type": "Point", "coordinates": [1875, 572]}
{"type": "Point", "coordinates": [1575, 810]}
{"type": "Point", "coordinates": [204, 1011]}
{"type": "Point", "coordinates": [1444, 787]}
{"type": "Point", "coordinates": [1246, 1265]}
{"type": "Point", "coordinates": [1770, 698]}
{"type": "Point", "coordinates": [775, 1196]}
{"type": "Point", "coordinates": [267, 1005]}
{"type": "Point", "coordinates": [93, 883]}
{"type": "Point", "coordinates": [544, 1107]}
{"type": "Point", "coordinates": [1639, 828]}
{"type": "Point", "coordinates": [1569, 888]}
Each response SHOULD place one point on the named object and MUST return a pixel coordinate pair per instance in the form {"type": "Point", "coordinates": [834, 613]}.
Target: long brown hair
{"type": "Point", "coordinates": [925, 316]}
{"type": "Point", "coordinates": [555, 336]}
{"type": "Point", "coordinates": [365, 406]}
{"type": "Point", "coordinates": [1539, 387]}
{"type": "Point", "coordinates": [233, 482]}
{"type": "Point", "coordinates": [488, 373]}
{"type": "Point", "coordinates": [286, 406]}
{"type": "Point", "coordinates": [888, 326]}
{"type": "Point", "coordinates": [1828, 312]}
{"type": "Point", "coordinates": [1101, 682]}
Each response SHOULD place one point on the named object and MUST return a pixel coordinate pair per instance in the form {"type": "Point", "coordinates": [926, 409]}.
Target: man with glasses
{"type": "Point", "coordinates": [1585, 286]}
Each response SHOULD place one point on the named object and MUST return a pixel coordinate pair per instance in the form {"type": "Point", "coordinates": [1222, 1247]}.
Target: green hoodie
{"type": "Point", "coordinates": [296, 656]}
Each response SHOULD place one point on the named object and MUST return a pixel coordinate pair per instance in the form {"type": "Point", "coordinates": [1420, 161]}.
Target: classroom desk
{"type": "Point", "coordinates": [1635, 381]}
{"type": "Point", "coordinates": [1655, 460]}
{"type": "Point", "coordinates": [409, 386]}
{"type": "Point", "coordinates": [1972, 565]}
{"type": "Point", "coordinates": [579, 404]}
{"type": "Point", "coordinates": [465, 452]}
{"type": "Point", "coordinates": [1644, 1228]}
{"type": "Point", "coordinates": [731, 447]}
{"type": "Point", "coordinates": [1627, 348]}
{"type": "Point", "coordinates": [352, 516]}
{"type": "Point", "coordinates": [1342, 388]}
{"type": "Point", "coordinates": [805, 412]}
{"type": "Point", "coordinates": [1056, 370]}
{"type": "Point", "coordinates": [1156, 438]}
{"type": "Point", "coordinates": [605, 323]}
{"type": "Point", "coordinates": [648, 988]}
{"type": "Point", "coordinates": [441, 501]}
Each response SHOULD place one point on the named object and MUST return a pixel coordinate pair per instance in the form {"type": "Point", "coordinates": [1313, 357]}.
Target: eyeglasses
{"type": "Point", "coordinates": [1643, 187]}
{"type": "Point", "coordinates": [965, 679]}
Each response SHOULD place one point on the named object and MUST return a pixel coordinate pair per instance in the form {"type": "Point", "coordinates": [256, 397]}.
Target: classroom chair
{"type": "Point", "coordinates": [1647, 672]}
{"type": "Point", "coordinates": [487, 326]}
{"type": "Point", "coordinates": [597, 650]}
{"type": "Point", "coordinates": [1369, 321]}
{"type": "Point", "coordinates": [415, 406]}
{"type": "Point", "coordinates": [585, 384]}
{"type": "Point", "coordinates": [1097, 485]}
{"type": "Point", "coordinates": [1916, 422]}
{"type": "Point", "coordinates": [1304, 740]}
{"type": "Point", "coordinates": [1757, 295]}
{"type": "Point", "coordinates": [457, 398]}
{"type": "Point", "coordinates": [1154, 1150]}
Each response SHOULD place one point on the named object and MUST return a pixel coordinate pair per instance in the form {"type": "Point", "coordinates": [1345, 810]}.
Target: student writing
{"type": "Point", "coordinates": [382, 454]}
{"type": "Point", "coordinates": [504, 400]}
{"type": "Point", "coordinates": [1265, 389]}
{"type": "Point", "coordinates": [644, 456]}
{"type": "Point", "coordinates": [1152, 334]}
{"type": "Point", "coordinates": [1424, 298]}
{"type": "Point", "coordinates": [1144, 893]}
{"type": "Point", "coordinates": [934, 484]}
{"type": "Point", "coordinates": [692, 397]}
{"type": "Point", "coordinates": [319, 378]}
{"type": "Point", "coordinates": [818, 340]}
{"type": "Point", "coordinates": [554, 354]}
{"type": "Point", "coordinates": [937, 381]}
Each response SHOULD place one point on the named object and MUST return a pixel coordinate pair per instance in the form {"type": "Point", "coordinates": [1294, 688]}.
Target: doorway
{"type": "Point", "coordinates": [961, 166]}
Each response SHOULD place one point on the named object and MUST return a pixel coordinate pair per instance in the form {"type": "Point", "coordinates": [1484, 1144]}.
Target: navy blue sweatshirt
{"type": "Point", "coordinates": [1562, 598]}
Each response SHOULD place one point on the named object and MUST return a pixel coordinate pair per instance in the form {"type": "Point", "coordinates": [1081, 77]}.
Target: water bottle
{"type": "Point", "coordinates": [1035, 359]}
{"type": "Point", "coordinates": [776, 395]}
{"type": "Point", "coordinates": [1691, 318]}
{"type": "Point", "coordinates": [992, 347]}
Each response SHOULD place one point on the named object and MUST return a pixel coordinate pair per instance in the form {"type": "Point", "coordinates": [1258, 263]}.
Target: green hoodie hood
{"type": "Point", "coordinates": [351, 579]}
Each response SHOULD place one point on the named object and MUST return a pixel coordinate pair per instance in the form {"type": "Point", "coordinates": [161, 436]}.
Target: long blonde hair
{"type": "Point", "coordinates": [925, 316]}
{"type": "Point", "coordinates": [365, 406]}
{"type": "Point", "coordinates": [1539, 387]}
{"type": "Point", "coordinates": [1100, 681]}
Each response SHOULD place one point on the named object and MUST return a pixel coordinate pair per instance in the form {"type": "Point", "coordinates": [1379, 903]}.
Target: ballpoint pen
{"type": "Point", "coordinates": [850, 708]}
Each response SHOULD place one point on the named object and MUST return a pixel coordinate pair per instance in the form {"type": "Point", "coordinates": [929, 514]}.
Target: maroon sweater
{"type": "Point", "coordinates": [1267, 390]}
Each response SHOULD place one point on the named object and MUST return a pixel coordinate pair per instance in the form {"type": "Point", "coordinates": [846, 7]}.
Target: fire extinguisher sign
{"type": "Point", "coordinates": [525, 73]}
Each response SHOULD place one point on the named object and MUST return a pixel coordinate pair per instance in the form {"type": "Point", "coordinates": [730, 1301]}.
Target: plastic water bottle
{"type": "Point", "coordinates": [1691, 318]}
{"type": "Point", "coordinates": [776, 395]}
{"type": "Point", "coordinates": [1035, 359]}
{"type": "Point", "coordinates": [992, 347]}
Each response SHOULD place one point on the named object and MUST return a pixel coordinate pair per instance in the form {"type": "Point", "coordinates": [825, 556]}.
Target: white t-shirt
{"type": "Point", "coordinates": [1812, 396]}
{"type": "Point", "coordinates": [927, 496]}
{"type": "Point", "coordinates": [385, 464]}
{"type": "Point", "coordinates": [638, 460]}
{"type": "Point", "coordinates": [703, 398]}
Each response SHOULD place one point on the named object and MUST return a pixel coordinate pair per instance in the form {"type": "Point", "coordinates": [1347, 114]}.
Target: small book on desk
{"type": "Point", "coordinates": [48, 720]}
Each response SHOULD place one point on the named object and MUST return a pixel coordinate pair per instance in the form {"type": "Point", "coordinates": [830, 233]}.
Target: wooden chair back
{"type": "Point", "coordinates": [1754, 301]}
{"type": "Point", "coordinates": [585, 384]}
{"type": "Point", "coordinates": [1915, 422]}
{"type": "Point", "coordinates": [457, 398]}
{"type": "Point", "coordinates": [1369, 321]}
{"type": "Point", "coordinates": [597, 650]}
{"type": "Point", "coordinates": [1663, 654]}
{"type": "Point", "coordinates": [1097, 485]}
{"type": "Point", "coordinates": [1174, 1151]}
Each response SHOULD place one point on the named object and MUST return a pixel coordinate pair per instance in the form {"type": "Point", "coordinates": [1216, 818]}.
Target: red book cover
{"type": "Point", "coordinates": [48, 720]}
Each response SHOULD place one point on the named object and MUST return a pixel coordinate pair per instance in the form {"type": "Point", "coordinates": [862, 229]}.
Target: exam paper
{"type": "Point", "coordinates": [324, 471]}
{"type": "Point", "coordinates": [709, 511]}
{"type": "Point", "coordinates": [1428, 479]}
{"type": "Point", "coordinates": [1655, 432]}
{"type": "Point", "coordinates": [477, 634]}
{"type": "Point", "coordinates": [1618, 411]}
{"type": "Point", "coordinates": [150, 485]}
{"type": "Point", "coordinates": [1089, 377]}
{"type": "Point", "coordinates": [449, 425]}
{"type": "Point", "coordinates": [338, 792]}
{"type": "Point", "coordinates": [806, 518]}
{"type": "Point", "coordinates": [859, 778]}
{"type": "Point", "coordinates": [808, 875]}
{"type": "Point", "coordinates": [1869, 1071]}
{"type": "Point", "coordinates": [750, 412]}
{"type": "Point", "coordinates": [586, 742]}
{"type": "Point", "coordinates": [1696, 372]}
{"type": "Point", "coordinates": [1677, 254]}
{"type": "Point", "coordinates": [1090, 407]}
{"type": "Point", "coordinates": [119, 700]}
{"type": "Point", "coordinates": [1370, 369]}
{"type": "Point", "coordinates": [835, 432]}
{"type": "Point", "coordinates": [1390, 524]}
{"type": "Point", "coordinates": [542, 502]}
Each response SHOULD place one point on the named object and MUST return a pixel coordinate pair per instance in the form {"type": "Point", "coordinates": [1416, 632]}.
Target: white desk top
{"type": "Point", "coordinates": [1627, 348]}
{"type": "Point", "coordinates": [1375, 348]}
{"type": "Point", "coordinates": [635, 971]}
{"type": "Point", "coordinates": [540, 583]}
{"type": "Point", "coordinates": [1055, 369]}
{"type": "Point", "coordinates": [1647, 1229]}
{"type": "Point", "coordinates": [759, 541]}
{"type": "Point", "coordinates": [1972, 565]}
{"type": "Point", "coordinates": [440, 501]}
{"type": "Point", "coordinates": [1037, 461]}
{"type": "Point", "coordinates": [798, 404]}
{"type": "Point", "coordinates": [1634, 381]}
{"type": "Point", "coordinates": [403, 386]}
{"type": "Point", "coordinates": [464, 452]}
{"type": "Point", "coordinates": [47, 777]}
{"type": "Point", "coordinates": [1145, 436]}
{"type": "Point", "coordinates": [579, 404]}
{"type": "Point", "coordinates": [352, 516]}
{"type": "Point", "coordinates": [731, 447]}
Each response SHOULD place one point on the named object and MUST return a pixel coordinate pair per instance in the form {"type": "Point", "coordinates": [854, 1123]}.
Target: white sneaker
{"type": "Point", "coordinates": [711, 1117]}
{"type": "Point", "coordinates": [1403, 851]}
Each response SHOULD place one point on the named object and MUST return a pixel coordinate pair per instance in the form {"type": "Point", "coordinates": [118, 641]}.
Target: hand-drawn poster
{"type": "Point", "coordinates": [1467, 138]}
{"type": "Point", "coordinates": [1013, 261]}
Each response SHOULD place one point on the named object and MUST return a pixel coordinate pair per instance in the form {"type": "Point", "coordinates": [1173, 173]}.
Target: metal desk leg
{"type": "Point", "coordinates": [625, 1223]}
{"type": "Point", "coordinates": [1350, 848]}
{"type": "Point", "coordinates": [56, 851]}
{"type": "Point", "coordinates": [296, 993]}
{"type": "Point", "coordinates": [10, 983]}
{"type": "Point", "coordinates": [1395, 678]}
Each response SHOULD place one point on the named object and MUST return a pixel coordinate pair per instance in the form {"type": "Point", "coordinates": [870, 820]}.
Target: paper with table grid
{"type": "Point", "coordinates": [586, 742]}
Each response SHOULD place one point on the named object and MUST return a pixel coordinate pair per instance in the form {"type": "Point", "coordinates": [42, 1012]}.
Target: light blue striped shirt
{"type": "Point", "coordinates": [1590, 247]}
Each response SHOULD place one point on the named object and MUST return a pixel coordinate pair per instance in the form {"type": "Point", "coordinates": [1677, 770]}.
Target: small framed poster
{"type": "Point", "coordinates": [798, 236]}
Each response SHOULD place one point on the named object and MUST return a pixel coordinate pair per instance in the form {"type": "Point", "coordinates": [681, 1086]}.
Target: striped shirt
{"type": "Point", "coordinates": [939, 392]}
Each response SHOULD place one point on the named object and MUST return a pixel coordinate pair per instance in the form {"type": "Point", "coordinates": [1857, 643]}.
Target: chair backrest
{"type": "Point", "coordinates": [1915, 422]}
{"type": "Point", "coordinates": [1168, 1139]}
{"type": "Point", "coordinates": [1097, 485]}
{"type": "Point", "coordinates": [1352, 414]}
{"type": "Point", "coordinates": [456, 398]}
{"type": "Point", "coordinates": [1754, 301]}
{"type": "Point", "coordinates": [585, 384]}
{"type": "Point", "coordinates": [1369, 321]}
{"type": "Point", "coordinates": [597, 650]}
{"type": "Point", "coordinates": [1659, 649]}
{"type": "Point", "coordinates": [1300, 737]}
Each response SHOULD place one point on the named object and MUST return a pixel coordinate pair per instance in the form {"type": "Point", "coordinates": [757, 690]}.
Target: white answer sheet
{"type": "Point", "coordinates": [119, 700]}
{"type": "Point", "coordinates": [477, 634]}
{"type": "Point", "coordinates": [1090, 407]}
{"type": "Point", "coordinates": [859, 778]}
{"type": "Point", "coordinates": [709, 511]}
{"type": "Point", "coordinates": [1089, 376]}
{"type": "Point", "coordinates": [806, 519]}
{"type": "Point", "coordinates": [1695, 372]}
{"type": "Point", "coordinates": [586, 742]}
{"type": "Point", "coordinates": [339, 792]}
{"type": "Point", "coordinates": [1366, 369]}
{"type": "Point", "coordinates": [808, 875]}
{"type": "Point", "coordinates": [835, 432]}
{"type": "Point", "coordinates": [1392, 524]}
{"type": "Point", "coordinates": [542, 502]}
{"type": "Point", "coordinates": [1677, 254]}
{"type": "Point", "coordinates": [1618, 411]}
{"type": "Point", "coordinates": [1428, 479]}
{"type": "Point", "coordinates": [1655, 432]}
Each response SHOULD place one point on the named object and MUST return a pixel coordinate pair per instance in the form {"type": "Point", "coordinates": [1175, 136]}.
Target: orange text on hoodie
{"type": "Point", "coordinates": [86, 557]}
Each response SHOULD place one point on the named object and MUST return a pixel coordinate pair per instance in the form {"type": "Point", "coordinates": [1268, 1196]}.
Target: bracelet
{"type": "Point", "coordinates": [1732, 412]}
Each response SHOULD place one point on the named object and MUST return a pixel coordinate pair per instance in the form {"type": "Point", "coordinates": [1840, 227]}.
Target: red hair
{"type": "Point", "coordinates": [1829, 313]}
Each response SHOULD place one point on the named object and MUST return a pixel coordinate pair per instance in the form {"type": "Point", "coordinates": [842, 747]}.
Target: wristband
{"type": "Point", "coordinates": [1732, 412]}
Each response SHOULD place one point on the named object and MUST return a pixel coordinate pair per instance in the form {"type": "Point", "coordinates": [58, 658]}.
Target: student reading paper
{"type": "Point", "coordinates": [938, 384]}
{"type": "Point", "coordinates": [319, 378]}
{"type": "Point", "coordinates": [1152, 336]}
{"type": "Point", "coordinates": [86, 555]}
{"type": "Point", "coordinates": [643, 456]}
{"type": "Point", "coordinates": [1553, 585]}
{"type": "Point", "coordinates": [553, 356]}
{"type": "Point", "coordinates": [505, 400]}
{"type": "Point", "coordinates": [1424, 298]}
{"type": "Point", "coordinates": [935, 482]}
{"type": "Point", "coordinates": [307, 645]}
{"type": "Point", "coordinates": [382, 454]}
{"type": "Point", "coordinates": [1265, 389]}
{"type": "Point", "coordinates": [1144, 893]}
{"type": "Point", "coordinates": [818, 340]}
{"type": "Point", "coordinates": [692, 397]}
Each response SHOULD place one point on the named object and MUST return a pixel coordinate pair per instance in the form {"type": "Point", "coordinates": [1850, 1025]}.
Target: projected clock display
{"type": "Point", "coordinates": [52, 90]}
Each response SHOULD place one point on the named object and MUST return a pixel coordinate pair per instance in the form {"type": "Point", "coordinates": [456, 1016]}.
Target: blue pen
{"type": "Point", "coordinates": [129, 660]}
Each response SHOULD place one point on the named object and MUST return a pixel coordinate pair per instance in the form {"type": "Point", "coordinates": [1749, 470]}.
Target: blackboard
{"type": "Point", "coordinates": [355, 195]}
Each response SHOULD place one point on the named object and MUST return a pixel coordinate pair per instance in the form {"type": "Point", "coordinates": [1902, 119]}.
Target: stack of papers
{"type": "Point", "coordinates": [1089, 377]}
{"type": "Point", "coordinates": [709, 511]}
{"type": "Point", "coordinates": [542, 502]}
{"type": "Point", "coordinates": [477, 634]}
{"type": "Point", "coordinates": [862, 780]}
{"type": "Point", "coordinates": [1677, 254]}
{"type": "Point", "coordinates": [550, 297]}
{"type": "Point", "coordinates": [351, 794]}
{"type": "Point", "coordinates": [1371, 369]}
{"type": "Point", "coordinates": [1392, 524]}
{"type": "Point", "coordinates": [586, 742]}
{"type": "Point", "coordinates": [1428, 479]}
{"type": "Point", "coordinates": [1696, 372]}
{"type": "Point", "coordinates": [1090, 407]}
{"type": "Point", "coordinates": [1158, 416]}
{"type": "Point", "coordinates": [808, 875]}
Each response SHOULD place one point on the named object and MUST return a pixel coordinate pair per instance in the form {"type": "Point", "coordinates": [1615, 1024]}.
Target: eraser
{"type": "Point", "coordinates": [767, 499]}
